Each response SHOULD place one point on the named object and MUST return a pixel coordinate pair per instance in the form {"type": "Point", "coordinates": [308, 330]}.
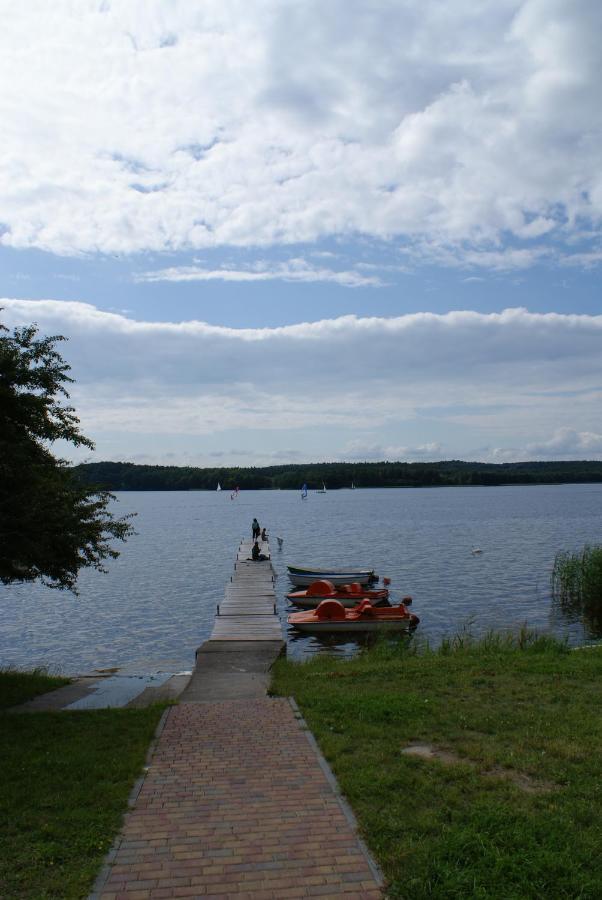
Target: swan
{"type": "Point", "coordinates": [475, 551]}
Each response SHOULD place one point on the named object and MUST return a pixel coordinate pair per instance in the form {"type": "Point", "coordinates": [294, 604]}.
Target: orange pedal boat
{"type": "Point", "coordinates": [347, 594]}
{"type": "Point", "coordinates": [331, 616]}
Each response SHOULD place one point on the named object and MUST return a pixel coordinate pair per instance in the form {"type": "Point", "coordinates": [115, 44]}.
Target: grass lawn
{"type": "Point", "coordinates": [66, 777]}
{"type": "Point", "coordinates": [17, 687]}
{"type": "Point", "coordinates": [512, 808]}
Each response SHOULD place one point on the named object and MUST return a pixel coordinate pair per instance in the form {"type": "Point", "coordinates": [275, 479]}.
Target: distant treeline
{"type": "Point", "coordinates": [115, 476]}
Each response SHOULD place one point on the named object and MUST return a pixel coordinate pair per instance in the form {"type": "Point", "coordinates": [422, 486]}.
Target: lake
{"type": "Point", "coordinates": [157, 603]}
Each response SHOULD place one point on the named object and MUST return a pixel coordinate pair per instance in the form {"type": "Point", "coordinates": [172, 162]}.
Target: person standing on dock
{"type": "Point", "coordinates": [256, 530]}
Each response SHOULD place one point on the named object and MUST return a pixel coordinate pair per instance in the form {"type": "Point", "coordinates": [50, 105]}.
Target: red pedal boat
{"type": "Point", "coordinates": [347, 594]}
{"type": "Point", "coordinates": [331, 616]}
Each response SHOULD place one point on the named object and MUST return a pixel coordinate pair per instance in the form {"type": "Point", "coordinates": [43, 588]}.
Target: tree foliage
{"type": "Point", "coordinates": [118, 476]}
{"type": "Point", "coordinates": [51, 525]}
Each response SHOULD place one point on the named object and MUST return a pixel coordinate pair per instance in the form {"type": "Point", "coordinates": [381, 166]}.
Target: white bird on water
{"type": "Point", "coordinates": [475, 551]}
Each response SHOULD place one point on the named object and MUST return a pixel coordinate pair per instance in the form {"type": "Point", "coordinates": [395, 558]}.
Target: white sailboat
{"type": "Point", "coordinates": [323, 491]}
{"type": "Point", "coordinates": [219, 487]}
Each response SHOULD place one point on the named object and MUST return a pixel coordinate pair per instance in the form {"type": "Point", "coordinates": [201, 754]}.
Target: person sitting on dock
{"type": "Point", "coordinates": [256, 554]}
{"type": "Point", "coordinates": [264, 534]}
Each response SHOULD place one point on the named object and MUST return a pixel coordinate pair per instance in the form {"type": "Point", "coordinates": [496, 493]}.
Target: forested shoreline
{"type": "Point", "coordinates": [122, 476]}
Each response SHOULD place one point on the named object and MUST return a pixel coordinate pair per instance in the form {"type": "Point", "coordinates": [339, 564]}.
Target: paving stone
{"type": "Point", "coordinates": [235, 802]}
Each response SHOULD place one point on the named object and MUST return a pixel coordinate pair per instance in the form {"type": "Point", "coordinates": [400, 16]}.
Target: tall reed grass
{"type": "Point", "coordinates": [576, 580]}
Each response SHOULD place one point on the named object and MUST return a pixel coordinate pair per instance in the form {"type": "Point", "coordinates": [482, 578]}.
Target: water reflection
{"type": "Point", "coordinates": [575, 613]}
{"type": "Point", "coordinates": [300, 645]}
{"type": "Point", "coordinates": [341, 645]}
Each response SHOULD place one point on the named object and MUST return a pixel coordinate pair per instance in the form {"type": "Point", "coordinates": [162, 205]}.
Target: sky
{"type": "Point", "coordinates": [300, 231]}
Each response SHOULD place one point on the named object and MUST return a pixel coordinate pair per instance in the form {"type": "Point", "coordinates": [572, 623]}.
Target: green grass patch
{"type": "Point", "coordinates": [18, 687]}
{"type": "Point", "coordinates": [516, 813]}
{"type": "Point", "coordinates": [66, 780]}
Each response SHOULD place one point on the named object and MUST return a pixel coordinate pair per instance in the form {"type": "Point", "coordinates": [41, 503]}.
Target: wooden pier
{"type": "Point", "coordinates": [248, 610]}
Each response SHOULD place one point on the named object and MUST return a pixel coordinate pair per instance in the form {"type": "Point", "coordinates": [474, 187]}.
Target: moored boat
{"type": "Point", "coordinates": [303, 577]}
{"type": "Point", "coordinates": [336, 578]}
{"type": "Point", "coordinates": [347, 594]}
{"type": "Point", "coordinates": [332, 617]}
{"type": "Point", "coordinates": [312, 570]}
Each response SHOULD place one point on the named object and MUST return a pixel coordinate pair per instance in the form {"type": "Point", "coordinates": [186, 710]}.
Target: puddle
{"type": "Point", "coordinates": [117, 690]}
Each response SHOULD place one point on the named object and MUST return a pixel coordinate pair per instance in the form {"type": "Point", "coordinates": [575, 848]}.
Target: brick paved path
{"type": "Point", "coordinates": [235, 804]}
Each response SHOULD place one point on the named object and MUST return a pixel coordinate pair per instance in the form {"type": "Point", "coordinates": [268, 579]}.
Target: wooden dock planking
{"type": "Point", "coordinates": [240, 609]}
{"type": "Point", "coordinates": [247, 628]}
{"type": "Point", "coordinates": [248, 610]}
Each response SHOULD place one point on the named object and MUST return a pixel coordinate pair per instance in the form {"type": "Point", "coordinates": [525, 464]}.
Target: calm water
{"type": "Point", "coordinates": [157, 604]}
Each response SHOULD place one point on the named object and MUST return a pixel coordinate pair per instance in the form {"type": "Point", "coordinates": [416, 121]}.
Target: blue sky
{"type": "Point", "coordinates": [111, 283]}
{"type": "Point", "coordinates": [289, 231]}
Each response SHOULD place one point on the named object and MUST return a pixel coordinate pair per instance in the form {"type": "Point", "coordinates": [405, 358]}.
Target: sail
{"type": "Point", "coordinates": [304, 492]}
{"type": "Point", "coordinates": [219, 487]}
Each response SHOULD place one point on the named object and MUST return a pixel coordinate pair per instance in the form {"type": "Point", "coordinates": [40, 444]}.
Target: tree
{"type": "Point", "coordinates": [51, 526]}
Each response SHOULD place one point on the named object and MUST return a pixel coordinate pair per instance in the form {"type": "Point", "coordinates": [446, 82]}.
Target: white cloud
{"type": "Point", "coordinates": [562, 444]}
{"type": "Point", "coordinates": [586, 260]}
{"type": "Point", "coordinates": [292, 270]}
{"type": "Point", "coordinates": [163, 125]}
{"type": "Point", "coordinates": [507, 259]}
{"type": "Point", "coordinates": [358, 451]}
{"type": "Point", "coordinates": [566, 443]}
{"type": "Point", "coordinates": [419, 386]}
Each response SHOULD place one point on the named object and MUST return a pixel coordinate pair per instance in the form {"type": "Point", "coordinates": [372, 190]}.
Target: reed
{"type": "Point", "coordinates": [577, 580]}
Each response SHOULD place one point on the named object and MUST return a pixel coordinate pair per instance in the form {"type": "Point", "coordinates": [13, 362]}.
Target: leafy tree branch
{"type": "Point", "coordinates": [51, 525]}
